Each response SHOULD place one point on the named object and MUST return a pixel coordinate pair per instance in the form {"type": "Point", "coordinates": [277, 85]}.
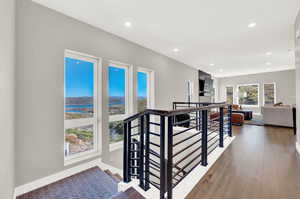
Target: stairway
{"type": "Point", "coordinates": [93, 183]}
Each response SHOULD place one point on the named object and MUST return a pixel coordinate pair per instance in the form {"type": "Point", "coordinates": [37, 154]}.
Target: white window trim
{"type": "Point", "coordinates": [275, 98]}
{"type": "Point", "coordinates": [151, 86]}
{"type": "Point", "coordinates": [97, 110]}
{"type": "Point", "coordinates": [238, 94]}
{"type": "Point", "coordinates": [233, 93]}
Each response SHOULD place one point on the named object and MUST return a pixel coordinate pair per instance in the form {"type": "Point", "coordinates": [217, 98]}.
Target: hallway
{"type": "Point", "coordinates": [261, 163]}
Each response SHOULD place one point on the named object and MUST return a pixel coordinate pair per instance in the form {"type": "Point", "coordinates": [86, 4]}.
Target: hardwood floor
{"type": "Point", "coordinates": [261, 163]}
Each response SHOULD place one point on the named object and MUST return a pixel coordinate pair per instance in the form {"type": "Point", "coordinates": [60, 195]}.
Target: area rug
{"type": "Point", "coordinates": [254, 122]}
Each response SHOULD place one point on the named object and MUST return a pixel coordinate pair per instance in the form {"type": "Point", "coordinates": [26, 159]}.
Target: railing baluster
{"type": "Point", "coordinates": [125, 153]}
{"type": "Point", "coordinates": [162, 158]}
{"type": "Point", "coordinates": [170, 158]}
{"type": "Point", "coordinates": [141, 152]}
{"type": "Point", "coordinates": [221, 129]}
{"type": "Point", "coordinates": [147, 152]}
{"type": "Point", "coordinates": [230, 120]}
{"type": "Point", "coordinates": [129, 144]}
{"type": "Point", "coordinates": [204, 139]}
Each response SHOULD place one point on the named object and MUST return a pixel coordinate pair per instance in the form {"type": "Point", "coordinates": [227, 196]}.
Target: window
{"type": "Point", "coordinates": [80, 110]}
{"type": "Point", "coordinates": [117, 90]}
{"type": "Point", "coordinates": [229, 95]}
{"type": "Point", "coordinates": [248, 94]}
{"type": "Point", "coordinates": [118, 100]}
{"type": "Point", "coordinates": [269, 93]}
{"type": "Point", "coordinates": [143, 90]}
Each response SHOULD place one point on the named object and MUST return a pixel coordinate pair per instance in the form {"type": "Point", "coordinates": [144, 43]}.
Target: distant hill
{"type": "Point", "coordinates": [79, 100]}
{"type": "Point", "coordinates": [114, 100]}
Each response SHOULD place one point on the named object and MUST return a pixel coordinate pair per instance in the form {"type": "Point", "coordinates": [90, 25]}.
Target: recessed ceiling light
{"type": "Point", "coordinates": [268, 63]}
{"type": "Point", "coordinates": [128, 24]}
{"type": "Point", "coordinates": [211, 64]}
{"type": "Point", "coordinates": [176, 50]}
{"type": "Point", "coordinates": [268, 53]}
{"type": "Point", "coordinates": [252, 25]}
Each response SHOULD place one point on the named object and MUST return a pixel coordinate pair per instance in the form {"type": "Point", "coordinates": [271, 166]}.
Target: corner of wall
{"type": "Point", "coordinates": [297, 64]}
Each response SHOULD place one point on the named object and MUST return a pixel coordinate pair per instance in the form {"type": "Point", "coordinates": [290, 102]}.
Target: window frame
{"type": "Point", "coordinates": [233, 93]}
{"type": "Point", "coordinates": [258, 96]}
{"type": "Point", "coordinates": [97, 105]}
{"type": "Point", "coordinates": [275, 88]}
{"type": "Point", "coordinates": [150, 83]}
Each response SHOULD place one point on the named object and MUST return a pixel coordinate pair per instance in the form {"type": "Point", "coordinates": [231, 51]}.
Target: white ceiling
{"type": "Point", "coordinates": [204, 31]}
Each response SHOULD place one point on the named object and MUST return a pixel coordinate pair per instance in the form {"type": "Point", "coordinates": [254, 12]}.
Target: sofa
{"type": "Point", "coordinates": [278, 115]}
{"type": "Point", "coordinates": [237, 118]}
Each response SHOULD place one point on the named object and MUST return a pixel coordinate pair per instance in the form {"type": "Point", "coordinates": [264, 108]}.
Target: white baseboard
{"type": "Point", "coordinates": [54, 178]}
{"type": "Point", "coordinates": [298, 147]}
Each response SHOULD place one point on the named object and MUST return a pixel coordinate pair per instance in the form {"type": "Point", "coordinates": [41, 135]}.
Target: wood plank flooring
{"type": "Point", "coordinates": [261, 163]}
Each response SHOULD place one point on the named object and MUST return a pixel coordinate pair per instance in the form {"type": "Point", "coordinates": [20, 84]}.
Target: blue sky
{"type": "Point", "coordinates": [116, 81]}
{"type": "Point", "coordinates": [142, 84]}
{"type": "Point", "coordinates": [79, 80]}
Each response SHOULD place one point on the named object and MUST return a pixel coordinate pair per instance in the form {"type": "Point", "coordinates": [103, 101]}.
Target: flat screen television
{"type": "Point", "coordinates": [205, 84]}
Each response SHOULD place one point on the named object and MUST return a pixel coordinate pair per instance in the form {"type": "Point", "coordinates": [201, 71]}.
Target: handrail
{"type": "Point", "coordinates": [162, 152]}
{"type": "Point", "coordinates": [199, 103]}
{"type": "Point", "coordinates": [174, 112]}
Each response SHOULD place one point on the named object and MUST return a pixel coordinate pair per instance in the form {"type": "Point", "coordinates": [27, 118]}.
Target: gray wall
{"type": "Point", "coordinates": [42, 37]}
{"type": "Point", "coordinates": [285, 85]}
{"type": "Point", "coordinates": [297, 56]}
{"type": "Point", "coordinates": [7, 37]}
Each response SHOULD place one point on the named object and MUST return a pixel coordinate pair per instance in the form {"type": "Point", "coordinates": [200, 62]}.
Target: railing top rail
{"type": "Point", "coordinates": [198, 103]}
{"type": "Point", "coordinates": [175, 112]}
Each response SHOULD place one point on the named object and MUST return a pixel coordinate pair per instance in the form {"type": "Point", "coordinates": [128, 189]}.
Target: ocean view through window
{"type": "Point", "coordinates": [79, 89]}
{"type": "Point", "coordinates": [118, 100]}
{"type": "Point", "coordinates": [117, 90]}
{"type": "Point", "coordinates": [80, 105]}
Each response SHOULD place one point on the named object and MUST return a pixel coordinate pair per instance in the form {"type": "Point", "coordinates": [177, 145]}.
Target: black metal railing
{"type": "Point", "coordinates": [162, 147]}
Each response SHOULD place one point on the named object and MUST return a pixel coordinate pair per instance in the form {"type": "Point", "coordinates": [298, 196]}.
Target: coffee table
{"type": "Point", "coordinates": [247, 113]}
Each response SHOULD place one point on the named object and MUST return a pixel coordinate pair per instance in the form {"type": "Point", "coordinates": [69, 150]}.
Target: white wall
{"type": "Point", "coordinates": [216, 87]}
{"type": "Point", "coordinates": [42, 37]}
{"type": "Point", "coordinates": [297, 62]}
{"type": "Point", "coordinates": [285, 86]}
{"type": "Point", "coordinates": [7, 37]}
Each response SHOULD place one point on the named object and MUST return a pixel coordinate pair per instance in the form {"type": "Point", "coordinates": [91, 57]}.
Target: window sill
{"type": "Point", "coordinates": [73, 160]}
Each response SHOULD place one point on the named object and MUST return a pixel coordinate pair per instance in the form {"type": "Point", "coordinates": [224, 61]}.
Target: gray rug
{"type": "Point", "coordinates": [254, 122]}
{"type": "Point", "coordinates": [89, 184]}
